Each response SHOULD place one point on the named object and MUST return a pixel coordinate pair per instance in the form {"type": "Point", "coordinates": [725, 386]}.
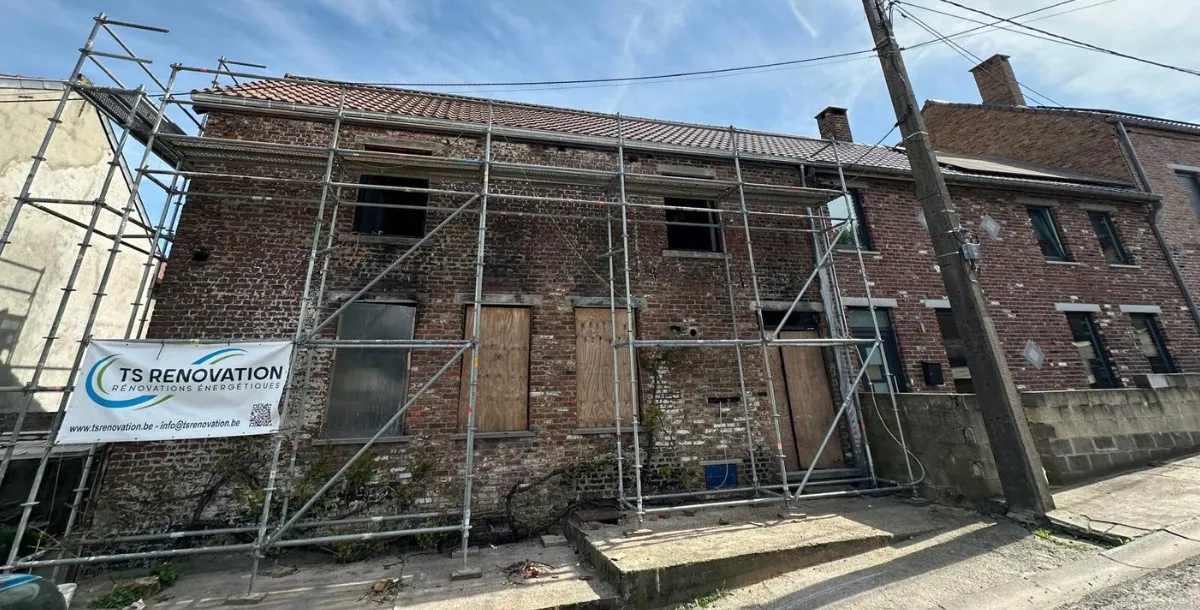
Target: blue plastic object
{"type": "Point", "coordinates": [720, 476]}
{"type": "Point", "coordinates": [28, 592]}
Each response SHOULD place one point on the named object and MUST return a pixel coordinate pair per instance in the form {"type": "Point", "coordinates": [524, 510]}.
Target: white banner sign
{"type": "Point", "coordinates": [130, 391]}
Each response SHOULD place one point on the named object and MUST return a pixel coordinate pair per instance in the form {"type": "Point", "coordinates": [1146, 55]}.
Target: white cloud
{"type": "Point", "coordinates": [802, 20]}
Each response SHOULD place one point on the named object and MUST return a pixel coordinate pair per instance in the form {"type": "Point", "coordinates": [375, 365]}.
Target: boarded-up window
{"type": "Point", "coordinates": [369, 384]}
{"type": "Point", "coordinates": [594, 368]}
{"type": "Point", "coordinates": [502, 401]}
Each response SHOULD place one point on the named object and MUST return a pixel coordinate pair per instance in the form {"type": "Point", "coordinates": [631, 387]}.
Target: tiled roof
{"type": "Point", "coordinates": [426, 105]}
{"type": "Point", "coordinates": [547, 118]}
{"type": "Point", "coordinates": [1093, 113]}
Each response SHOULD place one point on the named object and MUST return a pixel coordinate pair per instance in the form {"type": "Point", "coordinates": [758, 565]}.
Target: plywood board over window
{"type": "Point", "coordinates": [502, 399]}
{"type": "Point", "coordinates": [594, 368]}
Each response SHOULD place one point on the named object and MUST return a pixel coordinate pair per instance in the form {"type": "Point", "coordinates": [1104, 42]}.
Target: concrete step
{"type": "Point", "coordinates": [684, 556]}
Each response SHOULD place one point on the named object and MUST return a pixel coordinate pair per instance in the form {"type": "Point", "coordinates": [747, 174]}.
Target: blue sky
{"type": "Point", "coordinates": [506, 40]}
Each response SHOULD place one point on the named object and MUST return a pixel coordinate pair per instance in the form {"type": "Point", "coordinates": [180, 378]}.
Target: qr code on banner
{"type": "Point", "coordinates": [260, 415]}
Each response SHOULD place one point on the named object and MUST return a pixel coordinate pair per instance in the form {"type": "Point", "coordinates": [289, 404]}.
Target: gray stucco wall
{"type": "Point", "coordinates": [35, 265]}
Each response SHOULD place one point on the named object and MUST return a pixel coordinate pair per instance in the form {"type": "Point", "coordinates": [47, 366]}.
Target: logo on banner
{"type": "Point", "coordinates": [104, 378]}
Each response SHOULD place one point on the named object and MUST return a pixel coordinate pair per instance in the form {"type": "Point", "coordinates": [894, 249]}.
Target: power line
{"type": "Point", "coordinates": [969, 55]}
{"type": "Point", "coordinates": [630, 79]}
{"type": "Point", "coordinates": [1076, 42]}
{"type": "Point", "coordinates": [985, 26]}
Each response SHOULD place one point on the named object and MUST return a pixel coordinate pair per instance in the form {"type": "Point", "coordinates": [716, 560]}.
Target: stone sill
{"type": "Point", "coordinates": [1070, 263]}
{"type": "Point", "coordinates": [462, 436]}
{"type": "Point", "coordinates": [390, 240]}
{"type": "Point", "coordinates": [609, 430]}
{"type": "Point", "coordinates": [361, 441]}
{"type": "Point", "coordinates": [694, 254]}
{"type": "Point", "coordinates": [1123, 266]}
{"type": "Point", "coordinates": [852, 251]}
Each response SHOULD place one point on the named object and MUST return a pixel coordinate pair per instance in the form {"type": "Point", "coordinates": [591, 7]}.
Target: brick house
{"type": "Point", "coordinates": [1161, 156]}
{"type": "Point", "coordinates": [1069, 264]}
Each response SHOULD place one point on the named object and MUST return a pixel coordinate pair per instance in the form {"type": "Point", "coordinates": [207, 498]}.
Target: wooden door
{"type": "Point", "coordinates": [809, 403]}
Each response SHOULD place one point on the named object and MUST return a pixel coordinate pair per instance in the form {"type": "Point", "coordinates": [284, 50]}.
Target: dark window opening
{"type": "Point", "coordinates": [1150, 339]}
{"type": "Point", "coordinates": [799, 320]}
{"type": "Point", "coordinates": [850, 222]}
{"type": "Point", "coordinates": [408, 221]}
{"type": "Point", "coordinates": [956, 353]}
{"type": "Point", "coordinates": [1110, 239]}
{"type": "Point", "coordinates": [688, 230]}
{"type": "Point", "coordinates": [1086, 337]}
{"type": "Point", "coordinates": [1046, 231]}
{"type": "Point", "coordinates": [369, 384]}
{"type": "Point", "coordinates": [1191, 184]}
{"type": "Point", "coordinates": [861, 327]}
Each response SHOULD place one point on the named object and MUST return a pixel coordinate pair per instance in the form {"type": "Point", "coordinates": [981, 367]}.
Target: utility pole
{"type": "Point", "coordinates": [1017, 460]}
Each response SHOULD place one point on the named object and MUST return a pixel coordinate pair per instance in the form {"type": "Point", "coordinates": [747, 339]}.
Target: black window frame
{"type": "Point", "coordinates": [891, 348]}
{"type": "Point", "coordinates": [356, 420]}
{"type": "Point", "coordinates": [858, 224]}
{"type": "Point", "coordinates": [1191, 184]}
{"type": "Point", "coordinates": [1050, 244]}
{"type": "Point", "coordinates": [1163, 363]}
{"type": "Point", "coordinates": [391, 222]}
{"type": "Point", "coordinates": [1109, 237]}
{"type": "Point", "coordinates": [693, 231]}
{"type": "Point", "coordinates": [1100, 368]}
{"type": "Point", "coordinates": [956, 352]}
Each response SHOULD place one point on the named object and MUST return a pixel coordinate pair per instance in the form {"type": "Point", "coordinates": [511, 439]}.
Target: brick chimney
{"type": "Point", "coordinates": [833, 124]}
{"type": "Point", "coordinates": [997, 83]}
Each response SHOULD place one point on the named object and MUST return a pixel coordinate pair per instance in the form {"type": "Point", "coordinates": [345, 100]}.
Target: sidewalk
{"type": "Point", "coordinates": [982, 564]}
{"type": "Point", "coordinates": [1134, 504]}
{"type": "Point", "coordinates": [1155, 511]}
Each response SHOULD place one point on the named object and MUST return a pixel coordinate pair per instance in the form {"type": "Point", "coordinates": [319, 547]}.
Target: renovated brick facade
{"type": "Point", "coordinates": [239, 263]}
{"type": "Point", "coordinates": [1085, 141]}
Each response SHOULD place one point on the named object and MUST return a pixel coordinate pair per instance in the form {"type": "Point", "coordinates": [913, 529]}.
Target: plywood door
{"type": "Point", "coordinates": [502, 399]}
{"type": "Point", "coordinates": [594, 368]}
{"type": "Point", "coordinates": [810, 401]}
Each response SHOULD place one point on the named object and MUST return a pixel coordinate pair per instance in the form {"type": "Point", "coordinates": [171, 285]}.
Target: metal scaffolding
{"type": "Point", "coordinates": [191, 157]}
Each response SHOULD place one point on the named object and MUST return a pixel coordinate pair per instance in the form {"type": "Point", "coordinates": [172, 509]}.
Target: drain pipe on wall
{"type": "Point", "coordinates": [1144, 181]}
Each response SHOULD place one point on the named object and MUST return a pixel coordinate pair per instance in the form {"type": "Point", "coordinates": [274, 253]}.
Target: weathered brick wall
{"type": "Point", "coordinates": [1083, 144]}
{"type": "Point", "coordinates": [250, 284]}
{"type": "Point", "coordinates": [1021, 287]}
{"type": "Point", "coordinates": [1157, 150]}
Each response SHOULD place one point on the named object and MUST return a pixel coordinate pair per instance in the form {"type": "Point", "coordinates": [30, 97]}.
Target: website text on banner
{"type": "Point", "coordinates": [138, 391]}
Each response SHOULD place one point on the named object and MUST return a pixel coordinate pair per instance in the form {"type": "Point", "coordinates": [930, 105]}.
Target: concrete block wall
{"type": "Point", "coordinates": [945, 434]}
{"type": "Point", "coordinates": [1080, 435]}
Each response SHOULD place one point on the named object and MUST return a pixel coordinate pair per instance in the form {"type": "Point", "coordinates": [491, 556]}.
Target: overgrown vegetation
{"type": "Point", "coordinates": [123, 594]}
{"type": "Point", "coordinates": [704, 601]}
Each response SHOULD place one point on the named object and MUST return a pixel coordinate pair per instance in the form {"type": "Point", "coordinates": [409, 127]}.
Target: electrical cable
{"type": "Point", "coordinates": [627, 79]}
{"type": "Point", "coordinates": [969, 55]}
{"type": "Point", "coordinates": [1087, 45]}
{"type": "Point", "coordinates": [984, 25]}
{"type": "Point", "coordinates": [994, 25]}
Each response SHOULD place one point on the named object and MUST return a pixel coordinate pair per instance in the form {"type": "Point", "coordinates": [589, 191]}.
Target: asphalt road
{"type": "Point", "coordinates": [1173, 588]}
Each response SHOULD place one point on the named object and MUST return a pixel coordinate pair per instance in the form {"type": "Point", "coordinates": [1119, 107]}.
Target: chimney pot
{"type": "Point", "coordinates": [833, 124]}
{"type": "Point", "coordinates": [997, 83]}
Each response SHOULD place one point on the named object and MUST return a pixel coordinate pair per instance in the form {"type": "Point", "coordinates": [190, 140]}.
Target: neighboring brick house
{"type": "Point", "coordinates": [242, 249]}
{"type": "Point", "coordinates": [1162, 156]}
